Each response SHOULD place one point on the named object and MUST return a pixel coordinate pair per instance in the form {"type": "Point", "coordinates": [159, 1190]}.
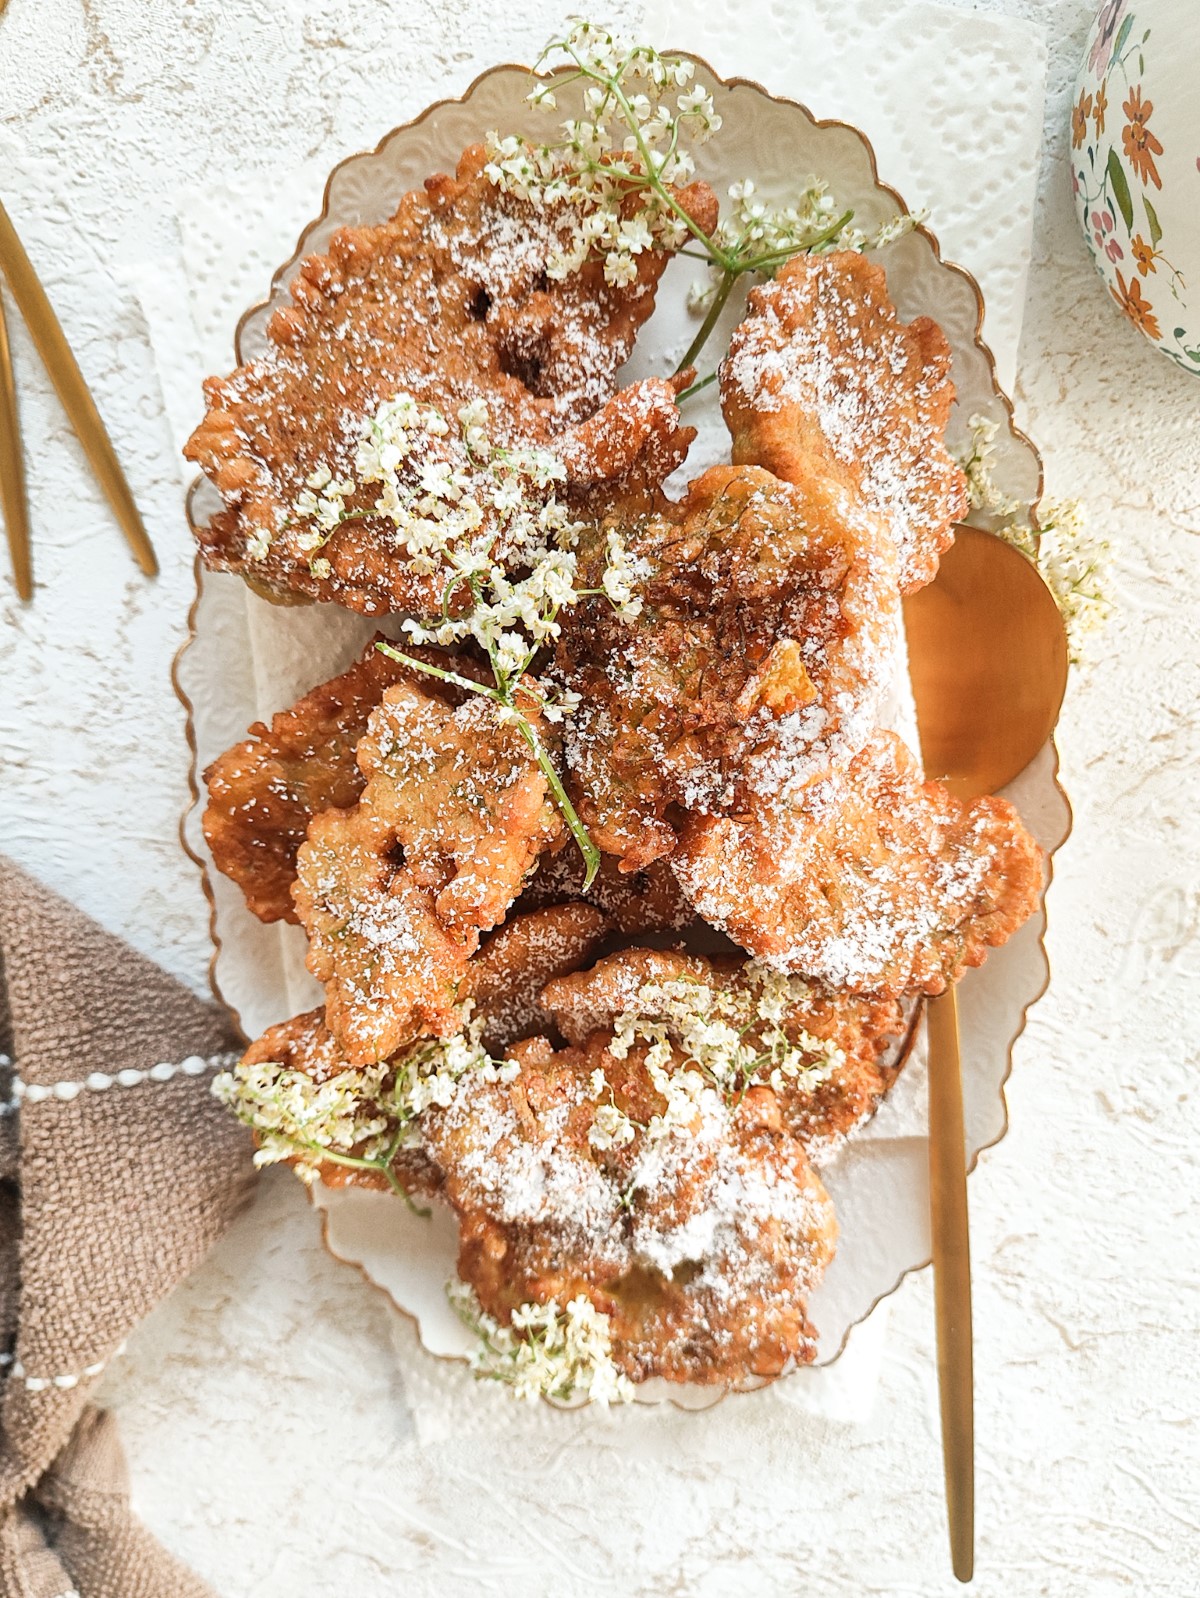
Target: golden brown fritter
{"type": "Point", "coordinates": [701, 1244]}
{"type": "Point", "coordinates": [395, 892]}
{"type": "Point", "coordinates": [823, 383]}
{"type": "Point", "coordinates": [634, 901]}
{"type": "Point", "coordinates": [506, 977]}
{"type": "Point", "coordinates": [819, 1110]}
{"type": "Point", "coordinates": [263, 792]}
{"type": "Point", "coordinates": [305, 1044]}
{"type": "Point", "coordinates": [762, 648]}
{"type": "Point", "coordinates": [879, 882]}
{"type": "Point", "coordinates": [447, 302]}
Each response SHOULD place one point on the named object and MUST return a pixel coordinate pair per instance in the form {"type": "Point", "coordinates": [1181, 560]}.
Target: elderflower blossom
{"type": "Point", "coordinates": [471, 511]}
{"type": "Point", "coordinates": [297, 1118]}
{"type": "Point", "coordinates": [730, 1037]}
{"type": "Point", "coordinates": [979, 467]}
{"type": "Point", "coordinates": [361, 1114]}
{"type": "Point", "coordinates": [758, 236]}
{"type": "Point", "coordinates": [546, 1352]}
{"type": "Point", "coordinates": [623, 572]}
{"type": "Point", "coordinates": [633, 137]}
{"type": "Point", "coordinates": [611, 1128]}
{"type": "Point", "coordinates": [1074, 562]}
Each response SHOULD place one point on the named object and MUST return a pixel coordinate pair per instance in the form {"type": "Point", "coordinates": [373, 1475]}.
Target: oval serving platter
{"type": "Point", "coordinates": [245, 658]}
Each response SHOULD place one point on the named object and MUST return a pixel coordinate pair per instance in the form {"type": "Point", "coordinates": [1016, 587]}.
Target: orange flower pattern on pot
{"type": "Point", "coordinates": [1117, 170]}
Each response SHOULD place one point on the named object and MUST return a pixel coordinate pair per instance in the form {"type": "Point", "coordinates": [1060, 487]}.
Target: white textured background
{"type": "Point", "coordinates": [264, 1406]}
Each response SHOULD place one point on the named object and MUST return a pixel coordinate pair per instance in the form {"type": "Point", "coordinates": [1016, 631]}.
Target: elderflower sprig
{"type": "Point", "coordinates": [547, 1351]}
{"type": "Point", "coordinates": [731, 1037]}
{"type": "Point", "coordinates": [487, 520]}
{"type": "Point", "coordinates": [1075, 563]}
{"type": "Point", "coordinates": [359, 1118]}
{"type": "Point", "coordinates": [615, 169]}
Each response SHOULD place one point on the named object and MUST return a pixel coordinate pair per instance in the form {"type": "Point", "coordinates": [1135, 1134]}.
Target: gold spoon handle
{"type": "Point", "coordinates": [12, 472]}
{"type": "Point", "coordinates": [952, 1277]}
{"type": "Point", "coordinates": [77, 401]}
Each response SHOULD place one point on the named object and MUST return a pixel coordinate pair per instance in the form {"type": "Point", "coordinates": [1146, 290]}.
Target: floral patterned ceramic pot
{"type": "Point", "coordinates": [1135, 165]}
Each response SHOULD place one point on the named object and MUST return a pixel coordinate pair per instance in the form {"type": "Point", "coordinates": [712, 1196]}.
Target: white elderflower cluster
{"type": "Point", "coordinates": [295, 1118]}
{"type": "Point", "coordinates": [547, 1352]}
{"type": "Point", "coordinates": [473, 511]}
{"type": "Point", "coordinates": [324, 502]}
{"type": "Point", "coordinates": [755, 231]}
{"type": "Point", "coordinates": [978, 464]}
{"type": "Point", "coordinates": [756, 236]}
{"type": "Point", "coordinates": [611, 1128]}
{"type": "Point", "coordinates": [623, 572]}
{"type": "Point", "coordinates": [612, 170]}
{"type": "Point", "coordinates": [731, 1037]}
{"type": "Point", "coordinates": [362, 1116]}
{"type": "Point", "coordinates": [1074, 562]}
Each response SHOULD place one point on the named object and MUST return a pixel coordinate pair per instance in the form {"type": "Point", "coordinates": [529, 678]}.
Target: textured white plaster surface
{"type": "Point", "coordinates": [264, 1407]}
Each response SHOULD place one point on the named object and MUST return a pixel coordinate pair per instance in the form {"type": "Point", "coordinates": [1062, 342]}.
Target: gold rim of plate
{"type": "Point", "coordinates": [194, 788]}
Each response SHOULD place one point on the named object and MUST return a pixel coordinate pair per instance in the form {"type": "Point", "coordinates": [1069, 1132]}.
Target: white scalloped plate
{"type": "Point", "coordinates": [245, 659]}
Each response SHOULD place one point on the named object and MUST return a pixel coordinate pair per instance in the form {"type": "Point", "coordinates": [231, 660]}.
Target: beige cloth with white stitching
{"type": "Point", "coordinates": [107, 1199]}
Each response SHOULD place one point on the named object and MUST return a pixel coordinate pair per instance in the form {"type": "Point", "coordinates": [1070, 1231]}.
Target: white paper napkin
{"type": "Point", "coordinates": [953, 104]}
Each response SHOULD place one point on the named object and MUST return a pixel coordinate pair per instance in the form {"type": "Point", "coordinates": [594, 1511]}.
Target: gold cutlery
{"type": "Point", "coordinates": [12, 471]}
{"type": "Point", "coordinates": [988, 662]}
{"type": "Point", "coordinates": [52, 346]}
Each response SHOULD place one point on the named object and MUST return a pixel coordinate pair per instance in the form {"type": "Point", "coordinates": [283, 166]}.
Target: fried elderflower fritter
{"type": "Point", "coordinates": [395, 892]}
{"type": "Point", "coordinates": [827, 1082]}
{"type": "Point", "coordinates": [449, 304]}
{"type": "Point", "coordinates": [263, 792]}
{"type": "Point", "coordinates": [765, 639]}
{"type": "Point", "coordinates": [697, 1226]}
{"type": "Point", "coordinates": [634, 901]}
{"type": "Point", "coordinates": [505, 979]}
{"type": "Point", "coordinates": [823, 382]}
{"type": "Point", "coordinates": [879, 882]}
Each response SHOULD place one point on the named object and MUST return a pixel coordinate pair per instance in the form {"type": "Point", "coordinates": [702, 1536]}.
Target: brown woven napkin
{"type": "Point", "coordinates": [118, 1171]}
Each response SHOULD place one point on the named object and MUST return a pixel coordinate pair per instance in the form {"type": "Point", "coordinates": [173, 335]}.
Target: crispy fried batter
{"type": "Point", "coordinates": [305, 1044]}
{"type": "Point", "coordinates": [700, 1246]}
{"type": "Point", "coordinates": [824, 383]}
{"type": "Point", "coordinates": [449, 302]}
{"type": "Point", "coordinates": [263, 792]}
{"type": "Point", "coordinates": [878, 883]}
{"type": "Point", "coordinates": [634, 901]}
{"type": "Point", "coordinates": [819, 1114]}
{"type": "Point", "coordinates": [395, 892]}
{"type": "Point", "coordinates": [506, 977]}
{"type": "Point", "coordinates": [765, 640]}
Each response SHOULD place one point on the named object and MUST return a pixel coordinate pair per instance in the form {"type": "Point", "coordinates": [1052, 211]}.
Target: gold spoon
{"type": "Point", "coordinates": [988, 660]}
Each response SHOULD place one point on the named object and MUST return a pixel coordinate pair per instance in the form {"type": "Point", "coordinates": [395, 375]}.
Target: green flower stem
{"type": "Point", "coordinates": [591, 855]}
{"type": "Point", "coordinates": [724, 289]}
{"type": "Point", "coordinates": [695, 388]}
{"type": "Point", "coordinates": [468, 683]}
{"type": "Point", "coordinates": [736, 267]}
{"type": "Point", "coordinates": [774, 258]}
{"type": "Point", "coordinates": [355, 1162]}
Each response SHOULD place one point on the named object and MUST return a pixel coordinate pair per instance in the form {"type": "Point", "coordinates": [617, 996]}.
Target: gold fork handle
{"type": "Point", "coordinates": [12, 472]}
{"type": "Point", "coordinates": [952, 1277]}
{"type": "Point", "coordinates": [77, 401]}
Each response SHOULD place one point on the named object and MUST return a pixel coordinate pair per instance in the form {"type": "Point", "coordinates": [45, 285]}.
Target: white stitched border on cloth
{"type": "Point", "coordinates": [64, 1382]}
{"type": "Point", "coordinates": [99, 1081]}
